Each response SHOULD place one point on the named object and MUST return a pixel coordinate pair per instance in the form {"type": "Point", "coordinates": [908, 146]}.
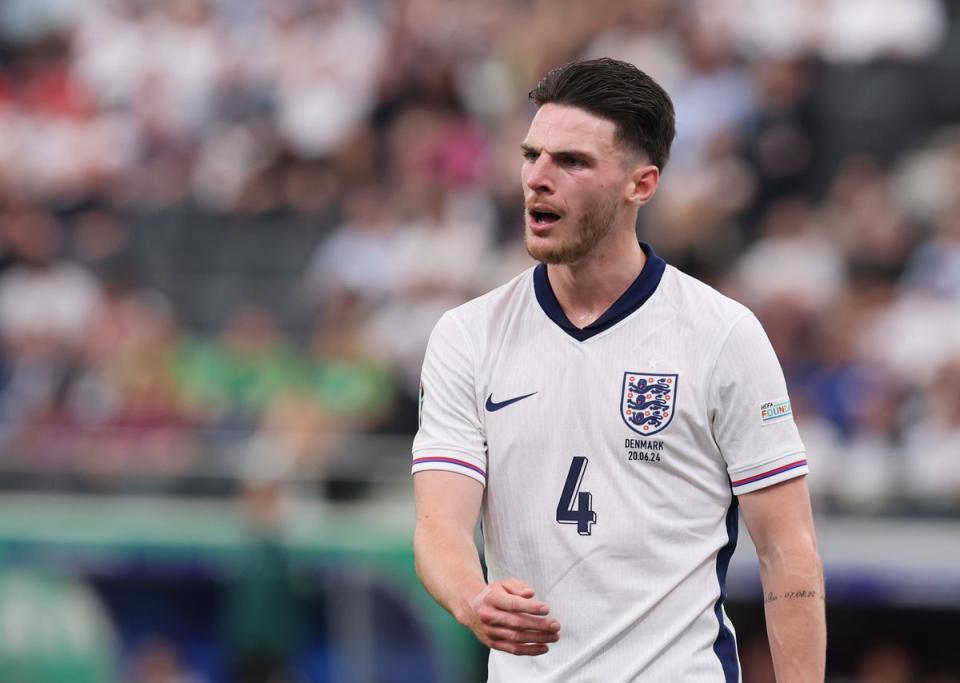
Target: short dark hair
{"type": "Point", "coordinates": [619, 92]}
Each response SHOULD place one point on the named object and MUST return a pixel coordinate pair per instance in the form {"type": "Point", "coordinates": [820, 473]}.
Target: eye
{"type": "Point", "coordinates": [572, 162]}
{"type": "Point", "coordinates": [530, 154]}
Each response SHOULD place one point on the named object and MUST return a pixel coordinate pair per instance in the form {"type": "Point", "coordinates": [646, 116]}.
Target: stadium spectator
{"type": "Point", "coordinates": [933, 441]}
{"type": "Point", "coordinates": [235, 377]}
{"type": "Point", "coordinates": [45, 300]}
{"type": "Point", "coordinates": [356, 262]}
{"type": "Point", "coordinates": [46, 303]}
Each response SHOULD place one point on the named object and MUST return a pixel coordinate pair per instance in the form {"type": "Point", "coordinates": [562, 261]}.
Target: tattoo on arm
{"type": "Point", "coordinates": [794, 595]}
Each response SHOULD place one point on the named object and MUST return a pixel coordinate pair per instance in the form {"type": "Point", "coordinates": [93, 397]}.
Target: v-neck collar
{"type": "Point", "coordinates": [637, 293]}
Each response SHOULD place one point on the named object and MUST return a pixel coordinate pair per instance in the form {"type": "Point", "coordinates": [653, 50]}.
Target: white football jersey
{"type": "Point", "coordinates": [611, 457]}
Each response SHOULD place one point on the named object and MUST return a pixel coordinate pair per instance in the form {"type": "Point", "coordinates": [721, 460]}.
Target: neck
{"type": "Point", "coordinates": [589, 287]}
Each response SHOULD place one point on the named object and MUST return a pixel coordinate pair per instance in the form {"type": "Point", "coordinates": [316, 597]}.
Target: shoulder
{"type": "Point", "coordinates": [464, 335]}
{"type": "Point", "coordinates": [478, 315]}
{"type": "Point", "coordinates": [702, 306]}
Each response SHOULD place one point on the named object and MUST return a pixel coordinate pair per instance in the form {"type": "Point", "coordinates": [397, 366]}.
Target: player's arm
{"type": "Point", "coordinates": [780, 523]}
{"type": "Point", "coordinates": [504, 615]}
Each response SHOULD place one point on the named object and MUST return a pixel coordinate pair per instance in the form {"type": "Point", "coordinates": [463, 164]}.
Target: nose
{"type": "Point", "coordinates": [537, 175]}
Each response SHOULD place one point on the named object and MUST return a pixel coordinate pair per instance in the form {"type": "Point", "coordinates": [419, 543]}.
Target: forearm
{"type": "Point", "coordinates": [448, 565]}
{"type": "Point", "coordinates": [794, 602]}
{"type": "Point", "coordinates": [504, 615]}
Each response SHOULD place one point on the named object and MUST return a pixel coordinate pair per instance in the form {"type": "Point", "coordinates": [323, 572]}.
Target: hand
{"type": "Point", "coordinates": [504, 616]}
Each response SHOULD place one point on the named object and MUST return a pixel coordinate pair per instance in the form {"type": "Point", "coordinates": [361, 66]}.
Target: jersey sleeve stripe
{"type": "Point", "coordinates": [770, 473]}
{"type": "Point", "coordinates": [450, 461]}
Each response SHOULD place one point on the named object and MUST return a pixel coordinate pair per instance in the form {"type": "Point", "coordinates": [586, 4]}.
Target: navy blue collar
{"type": "Point", "coordinates": [637, 293]}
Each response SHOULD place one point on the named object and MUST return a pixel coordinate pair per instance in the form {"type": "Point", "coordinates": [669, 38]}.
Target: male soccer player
{"type": "Point", "coordinates": [608, 415]}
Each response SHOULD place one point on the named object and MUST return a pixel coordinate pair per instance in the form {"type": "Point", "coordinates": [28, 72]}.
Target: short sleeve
{"type": "Point", "coordinates": [750, 412]}
{"type": "Point", "coordinates": [450, 435]}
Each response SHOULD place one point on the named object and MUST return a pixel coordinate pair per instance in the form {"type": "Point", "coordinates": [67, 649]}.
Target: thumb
{"type": "Point", "coordinates": [517, 587]}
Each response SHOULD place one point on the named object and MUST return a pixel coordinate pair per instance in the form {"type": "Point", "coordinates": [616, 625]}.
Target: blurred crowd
{"type": "Point", "coordinates": [826, 205]}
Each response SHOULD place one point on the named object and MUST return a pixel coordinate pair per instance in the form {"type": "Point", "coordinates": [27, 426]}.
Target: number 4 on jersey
{"type": "Point", "coordinates": [574, 506]}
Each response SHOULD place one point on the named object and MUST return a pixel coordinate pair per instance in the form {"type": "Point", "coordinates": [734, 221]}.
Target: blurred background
{"type": "Point", "coordinates": [228, 226]}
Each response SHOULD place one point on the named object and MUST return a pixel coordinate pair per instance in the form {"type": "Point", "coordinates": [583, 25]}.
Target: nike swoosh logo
{"type": "Point", "coordinates": [492, 406]}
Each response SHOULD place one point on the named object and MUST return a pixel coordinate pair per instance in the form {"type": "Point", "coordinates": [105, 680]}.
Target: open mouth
{"type": "Point", "coordinates": [543, 217]}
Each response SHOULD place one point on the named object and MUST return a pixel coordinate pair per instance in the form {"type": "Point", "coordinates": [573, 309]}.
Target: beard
{"type": "Point", "coordinates": [595, 222]}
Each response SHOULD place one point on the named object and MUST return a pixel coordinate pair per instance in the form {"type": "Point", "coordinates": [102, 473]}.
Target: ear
{"type": "Point", "coordinates": [642, 184]}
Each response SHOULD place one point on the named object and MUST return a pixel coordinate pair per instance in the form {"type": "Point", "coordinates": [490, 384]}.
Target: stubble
{"type": "Point", "coordinates": [595, 223]}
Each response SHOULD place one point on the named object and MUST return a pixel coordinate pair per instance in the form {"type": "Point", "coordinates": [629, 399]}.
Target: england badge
{"type": "Point", "coordinates": [647, 401]}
